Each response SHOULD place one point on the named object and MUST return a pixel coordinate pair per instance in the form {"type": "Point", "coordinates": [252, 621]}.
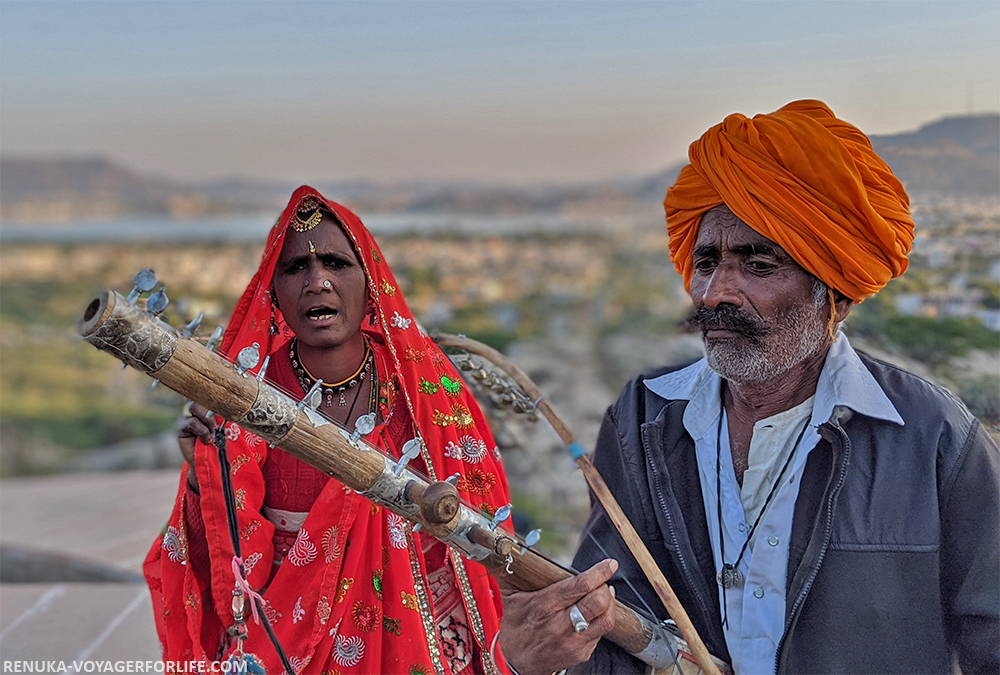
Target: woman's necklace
{"type": "Point", "coordinates": [729, 575]}
{"type": "Point", "coordinates": [307, 380]}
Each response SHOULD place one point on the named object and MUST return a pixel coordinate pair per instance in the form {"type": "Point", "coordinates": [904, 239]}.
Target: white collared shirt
{"type": "Point", "coordinates": [755, 610]}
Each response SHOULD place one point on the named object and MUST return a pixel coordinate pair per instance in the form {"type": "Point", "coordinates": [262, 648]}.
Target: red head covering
{"type": "Point", "coordinates": [805, 180]}
{"type": "Point", "coordinates": [352, 594]}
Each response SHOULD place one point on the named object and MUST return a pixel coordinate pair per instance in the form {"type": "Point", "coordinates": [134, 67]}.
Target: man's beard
{"type": "Point", "coordinates": [762, 350]}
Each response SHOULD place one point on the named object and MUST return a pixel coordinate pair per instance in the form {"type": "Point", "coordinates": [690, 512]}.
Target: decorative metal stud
{"type": "Point", "coordinates": [144, 282]}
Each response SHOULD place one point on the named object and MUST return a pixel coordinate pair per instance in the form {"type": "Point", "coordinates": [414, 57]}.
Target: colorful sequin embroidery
{"type": "Point", "coordinates": [249, 529]}
{"type": "Point", "coordinates": [241, 499]}
{"type": "Point", "coordinates": [377, 582]}
{"type": "Point", "coordinates": [236, 462]}
{"type": "Point", "coordinates": [412, 354]}
{"type": "Point", "coordinates": [462, 417]}
{"type": "Point", "coordinates": [409, 601]}
{"type": "Point", "coordinates": [343, 587]}
{"type": "Point", "coordinates": [477, 482]}
{"type": "Point", "coordinates": [366, 618]}
{"type": "Point", "coordinates": [323, 610]}
{"type": "Point", "coordinates": [392, 626]}
{"type": "Point", "coordinates": [427, 387]}
{"type": "Point", "coordinates": [387, 288]}
{"type": "Point", "coordinates": [375, 256]}
{"type": "Point", "coordinates": [452, 387]}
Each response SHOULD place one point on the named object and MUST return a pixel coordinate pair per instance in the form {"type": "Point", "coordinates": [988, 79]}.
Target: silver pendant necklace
{"type": "Point", "coordinates": [729, 576]}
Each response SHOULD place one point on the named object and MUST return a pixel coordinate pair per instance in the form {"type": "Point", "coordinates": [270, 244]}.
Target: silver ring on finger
{"type": "Point", "coordinates": [580, 624]}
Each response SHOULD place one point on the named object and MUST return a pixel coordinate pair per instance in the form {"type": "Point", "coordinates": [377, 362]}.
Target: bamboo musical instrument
{"type": "Point", "coordinates": [141, 340]}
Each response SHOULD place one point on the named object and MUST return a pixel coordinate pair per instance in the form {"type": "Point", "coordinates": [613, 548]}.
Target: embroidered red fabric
{"type": "Point", "coordinates": [355, 591]}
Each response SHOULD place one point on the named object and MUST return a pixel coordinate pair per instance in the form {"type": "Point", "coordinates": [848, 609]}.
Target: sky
{"type": "Point", "coordinates": [512, 92]}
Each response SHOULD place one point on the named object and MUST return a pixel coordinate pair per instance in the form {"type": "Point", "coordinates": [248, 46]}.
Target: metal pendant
{"type": "Point", "coordinates": [729, 576]}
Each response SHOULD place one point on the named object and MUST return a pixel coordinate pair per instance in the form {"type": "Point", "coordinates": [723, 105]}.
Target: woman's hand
{"type": "Point", "coordinates": [537, 634]}
{"type": "Point", "coordinates": [198, 425]}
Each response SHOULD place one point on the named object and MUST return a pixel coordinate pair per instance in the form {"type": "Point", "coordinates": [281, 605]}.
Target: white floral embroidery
{"type": "Point", "coordinates": [473, 449]}
{"type": "Point", "coordinates": [399, 322]}
{"type": "Point", "coordinates": [303, 551]}
{"type": "Point", "coordinates": [232, 432]}
{"type": "Point", "coordinates": [347, 651]}
{"type": "Point", "coordinates": [252, 440]}
{"type": "Point", "coordinates": [298, 613]}
{"type": "Point", "coordinates": [396, 528]}
{"type": "Point", "coordinates": [251, 561]}
{"type": "Point", "coordinates": [453, 450]}
{"type": "Point", "coordinates": [172, 545]}
{"type": "Point", "coordinates": [333, 631]}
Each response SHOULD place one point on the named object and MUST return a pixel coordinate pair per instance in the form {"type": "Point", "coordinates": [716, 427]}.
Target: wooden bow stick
{"type": "Point", "coordinates": [600, 488]}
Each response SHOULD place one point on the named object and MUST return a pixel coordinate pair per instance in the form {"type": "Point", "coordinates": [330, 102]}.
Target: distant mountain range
{"type": "Point", "coordinates": [953, 156]}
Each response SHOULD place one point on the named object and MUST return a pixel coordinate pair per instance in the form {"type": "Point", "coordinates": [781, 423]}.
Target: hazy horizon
{"type": "Point", "coordinates": [509, 92]}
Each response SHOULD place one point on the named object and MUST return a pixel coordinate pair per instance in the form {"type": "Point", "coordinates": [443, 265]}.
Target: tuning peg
{"type": "Point", "coordinates": [531, 540]}
{"type": "Point", "coordinates": [453, 479]}
{"type": "Point", "coordinates": [157, 302]}
{"type": "Point", "coordinates": [193, 326]}
{"type": "Point", "coordinates": [248, 358]}
{"type": "Point", "coordinates": [363, 426]}
{"type": "Point", "coordinates": [411, 449]}
{"type": "Point", "coordinates": [216, 336]}
{"type": "Point", "coordinates": [144, 282]}
{"type": "Point", "coordinates": [502, 514]}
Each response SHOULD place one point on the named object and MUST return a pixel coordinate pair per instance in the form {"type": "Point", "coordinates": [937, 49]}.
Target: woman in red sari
{"type": "Point", "coordinates": [347, 585]}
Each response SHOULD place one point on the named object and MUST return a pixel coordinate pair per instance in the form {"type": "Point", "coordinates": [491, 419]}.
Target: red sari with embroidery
{"type": "Point", "coordinates": [350, 588]}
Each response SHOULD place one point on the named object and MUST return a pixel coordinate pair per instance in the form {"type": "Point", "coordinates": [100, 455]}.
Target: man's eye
{"type": "Point", "coordinates": [760, 266]}
{"type": "Point", "coordinates": [705, 265]}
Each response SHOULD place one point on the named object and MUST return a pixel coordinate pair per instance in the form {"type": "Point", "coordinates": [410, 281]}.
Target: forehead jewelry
{"type": "Point", "coordinates": [312, 247]}
{"type": "Point", "coordinates": [300, 225]}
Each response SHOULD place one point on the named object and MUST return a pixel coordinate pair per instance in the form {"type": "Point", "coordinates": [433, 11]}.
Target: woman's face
{"type": "Point", "coordinates": [320, 286]}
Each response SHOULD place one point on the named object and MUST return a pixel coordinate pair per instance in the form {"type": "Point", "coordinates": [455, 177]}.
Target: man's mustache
{"type": "Point", "coordinates": [728, 317]}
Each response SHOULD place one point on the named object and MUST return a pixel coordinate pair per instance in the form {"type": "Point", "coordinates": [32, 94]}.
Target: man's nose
{"type": "Point", "coordinates": [722, 288]}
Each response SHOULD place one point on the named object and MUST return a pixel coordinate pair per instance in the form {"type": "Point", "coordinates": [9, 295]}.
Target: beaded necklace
{"type": "Point", "coordinates": [307, 380]}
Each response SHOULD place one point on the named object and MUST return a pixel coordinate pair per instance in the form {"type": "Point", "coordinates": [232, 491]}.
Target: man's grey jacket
{"type": "Point", "coordinates": [894, 562]}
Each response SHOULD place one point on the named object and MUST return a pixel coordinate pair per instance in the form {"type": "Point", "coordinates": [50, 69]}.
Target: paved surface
{"type": "Point", "coordinates": [108, 519]}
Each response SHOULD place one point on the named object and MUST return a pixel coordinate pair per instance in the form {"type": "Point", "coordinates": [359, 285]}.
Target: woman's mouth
{"type": "Point", "coordinates": [319, 314]}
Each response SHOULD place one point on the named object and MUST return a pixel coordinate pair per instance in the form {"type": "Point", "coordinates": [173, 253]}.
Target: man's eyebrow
{"type": "Point", "coordinates": [755, 249]}
{"type": "Point", "coordinates": [706, 251]}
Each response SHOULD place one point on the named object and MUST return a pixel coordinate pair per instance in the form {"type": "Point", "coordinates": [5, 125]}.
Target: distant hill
{"type": "Point", "coordinates": [953, 156]}
{"type": "Point", "coordinates": [956, 155]}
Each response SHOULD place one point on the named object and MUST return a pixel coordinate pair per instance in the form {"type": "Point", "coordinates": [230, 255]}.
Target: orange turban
{"type": "Point", "coordinates": [805, 180]}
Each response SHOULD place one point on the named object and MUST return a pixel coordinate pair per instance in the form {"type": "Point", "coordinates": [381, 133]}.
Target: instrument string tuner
{"type": "Point", "coordinates": [157, 302]}
{"type": "Point", "coordinates": [502, 514]}
{"type": "Point", "coordinates": [411, 449]}
{"type": "Point", "coordinates": [216, 336]}
{"type": "Point", "coordinates": [193, 326]}
{"type": "Point", "coordinates": [453, 479]}
{"type": "Point", "coordinates": [313, 397]}
{"type": "Point", "coordinates": [248, 358]}
{"type": "Point", "coordinates": [144, 282]}
{"type": "Point", "coordinates": [364, 426]}
{"type": "Point", "coordinates": [263, 369]}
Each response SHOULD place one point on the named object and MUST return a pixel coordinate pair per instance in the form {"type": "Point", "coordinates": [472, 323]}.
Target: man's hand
{"type": "Point", "coordinates": [198, 425]}
{"type": "Point", "coordinates": [537, 634]}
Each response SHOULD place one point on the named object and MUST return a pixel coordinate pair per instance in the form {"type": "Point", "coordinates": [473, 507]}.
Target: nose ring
{"type": "Point", "coordinates": [327, 284]}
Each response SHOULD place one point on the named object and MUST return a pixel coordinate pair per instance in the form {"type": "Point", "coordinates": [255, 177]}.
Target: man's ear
{"type": "Point", "coordinates": [842, 305]}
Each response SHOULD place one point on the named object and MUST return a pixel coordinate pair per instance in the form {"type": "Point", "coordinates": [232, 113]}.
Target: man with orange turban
{"type": "Point", "coordinates": [814, 509]}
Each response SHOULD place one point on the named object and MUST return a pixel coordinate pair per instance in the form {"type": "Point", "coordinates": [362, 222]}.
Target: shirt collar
{"type": "Point", "coordinates": [844, 381]}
